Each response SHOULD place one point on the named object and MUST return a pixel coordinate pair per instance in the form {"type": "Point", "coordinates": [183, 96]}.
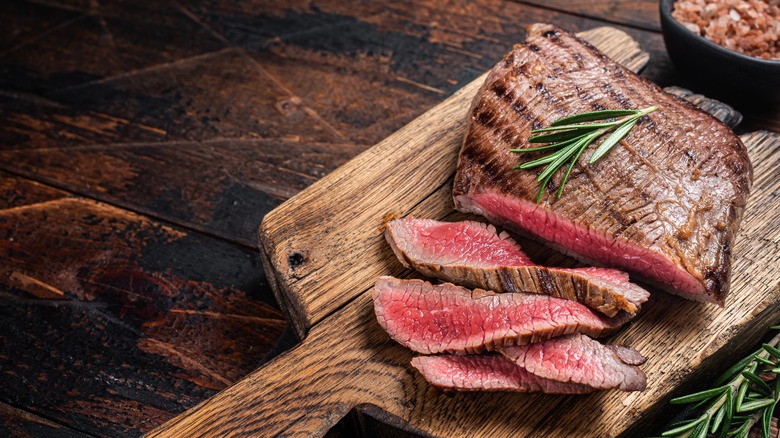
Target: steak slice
{"type": "Point", "coordinates": [572, 364]}
{"type": "Point", "coordinates": [429, 318]}
{"type": "Point", "coordinates": [488, 372]}
{"type": "Point", "coordinates": [472, 254]}
{"type": "Point", "coordinates": [582, 360]}
{"type": "Point", "coordinates": [665, 203]}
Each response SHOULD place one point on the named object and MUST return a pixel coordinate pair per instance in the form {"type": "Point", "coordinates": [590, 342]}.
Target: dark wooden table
{"type": "Point", "coordinates": [141, 143]}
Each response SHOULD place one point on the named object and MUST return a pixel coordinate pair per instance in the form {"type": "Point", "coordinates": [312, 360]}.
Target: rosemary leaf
{"type": "Point", "coordinates": [766, 423]}
{"type": "Point", "coordinates": [568, 171]}
{"type": "Point", "coordinates": [757, 380]}
{"type": "Point", "coordinates": [751, 406]}
{"type": "Point", "coordinates": [746, 395]}
{"type": "Point", "coordinates": [589, 127]}
{"type": "Point", "coordinates": [741, 396]}
{"type": "Point", "coordinates": [571, 138]}
{"type": "Point", "coordinates": [736, 368]}
{"type": "Point", "coordinates": [612, 140]}
{"type": "Point", "coordinates": [564, 155]}
{"type": "Point", "coordinates": [772, 350]}
{"type": "Point", "coordinates": [683, 428]}
{"type": "Point", "coordinates": [701, 430]}
{"type": "Point", "coordinates": [541, 188]}
{"type": "Point", "coordinates": [592, 116]}
{"type": "Point", "coordinates": [741, 431]}
{"type": "Point", "coordinates": [719, 416]}
{"type": "Point", "coordinates": [728, 408]}
{"type": "Point", "coordinates": [550, 146]}
{"type": "Point", "coordinates": [562, 136]}
{"type": "Point", "coordinates": [703, 395]}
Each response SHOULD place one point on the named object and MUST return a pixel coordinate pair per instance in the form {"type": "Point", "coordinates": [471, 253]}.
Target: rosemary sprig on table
{"type": "Point", "coordinates": [745, 395]}
{"type": "Point", "coordinates": [571, 137]}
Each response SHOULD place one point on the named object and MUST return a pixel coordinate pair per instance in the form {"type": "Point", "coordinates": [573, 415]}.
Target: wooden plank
{"type": "Point", "coordinates": [347, 360]}
{"type": "Point", "coordinates": [420, 157]}
{"type": "Point", "coordinates": [643, 14]}
{"type": "Point", "coordinates": [21, 424]}
{"type": "Point", "coordinates": [113, 323]}
{"type": "Point", "coordinates": [252, 178]}
{"type": "Point", "coordinates": [56, 58]}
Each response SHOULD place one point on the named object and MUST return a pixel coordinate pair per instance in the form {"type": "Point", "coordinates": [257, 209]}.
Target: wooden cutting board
{"type": "Point", "coordinates": [324, 248]}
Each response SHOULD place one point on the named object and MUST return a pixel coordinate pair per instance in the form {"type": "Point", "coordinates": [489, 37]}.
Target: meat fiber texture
{"type": "Point", "coordinates": [441, 318]}
{"type": "Point", "coordinates": [473, 254]}
{"type": "Point", "coordinates": [572, 364]}
{"type": "Point", "coordinates": [665, 203]}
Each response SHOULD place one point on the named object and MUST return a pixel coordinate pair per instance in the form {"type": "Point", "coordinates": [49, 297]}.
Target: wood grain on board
{"type": "Point", "coordinates": [323, 273]}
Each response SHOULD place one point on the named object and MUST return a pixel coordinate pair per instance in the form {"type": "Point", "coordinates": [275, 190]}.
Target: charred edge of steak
{"type": "Point", "coordinates": [474, 255]}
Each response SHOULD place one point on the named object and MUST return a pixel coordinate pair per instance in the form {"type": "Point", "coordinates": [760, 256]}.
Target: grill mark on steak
{"type": "Point", "coordinates": [678, 153]}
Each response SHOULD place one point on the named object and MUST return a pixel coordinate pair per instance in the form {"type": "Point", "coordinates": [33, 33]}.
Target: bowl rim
{"type": "Point", "coordinates": [666, 12]}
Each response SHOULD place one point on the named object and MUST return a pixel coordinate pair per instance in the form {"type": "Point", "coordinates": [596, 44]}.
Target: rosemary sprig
{"type": "Point", "coordinates": [744, 396]}
{"type": "Point", "coordinates": [571, 137]}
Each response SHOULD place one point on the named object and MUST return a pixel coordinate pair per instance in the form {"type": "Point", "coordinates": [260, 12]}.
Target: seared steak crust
{"type": "Point", "coordinates": [665, 203]}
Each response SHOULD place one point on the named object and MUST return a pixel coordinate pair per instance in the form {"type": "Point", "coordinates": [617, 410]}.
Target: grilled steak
{"type": "Point", "coordinates": [440, 318]}
{"type": "Point", "coordinates": [472, 254]}
{"type": "Point", "coordinates": [665, 203]}
{"type": "Point", "coordinates": [580, 359]}
{"type": "Point", "coordinates": [488, 372]}
{"type": "Point", "coordinates": [571, 364]}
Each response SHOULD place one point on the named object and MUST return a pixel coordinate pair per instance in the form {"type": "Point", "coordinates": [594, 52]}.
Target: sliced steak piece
{"type": "Point", "coordinates": [472, 254]}
{"type": "Point", "coordinates": [440, 318]}
{"type": "Point", "coordinates": [582, 360]}
{"type": "Point", "coordinates": [488, 372]}
{"type": "Point", "coordinates": [665, 203]}
{"type": "Point", "coordinates": [572, 364]}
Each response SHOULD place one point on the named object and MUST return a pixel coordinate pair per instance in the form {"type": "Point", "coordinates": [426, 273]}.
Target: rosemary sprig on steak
{"type": "Point", "coordinates": [571, 136]}
{"type": "Point", "coordinates": [744, 396]}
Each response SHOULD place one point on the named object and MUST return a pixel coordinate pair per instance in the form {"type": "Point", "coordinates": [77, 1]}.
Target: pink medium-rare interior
{"type": "Point", "coordinates": [581, 242]}
{"type": "Point", "coordinates": [487, 372]}
{"type": "Point", "coordinates": [578, 359]}
{"type": "Point", "coordinates": [440, 318]}
{"type": "Point", "coordinates": [466, 243]}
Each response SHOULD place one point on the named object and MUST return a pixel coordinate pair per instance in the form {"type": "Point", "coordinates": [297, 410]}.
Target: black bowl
{"type": "Point", "coordinates": [719, 71]}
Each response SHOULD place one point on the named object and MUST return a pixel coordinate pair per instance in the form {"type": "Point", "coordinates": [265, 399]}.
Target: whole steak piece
{"type": "Point", "coordinates": [664, 204]}
{"type": "Point", "coordinates": [474, 255]}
